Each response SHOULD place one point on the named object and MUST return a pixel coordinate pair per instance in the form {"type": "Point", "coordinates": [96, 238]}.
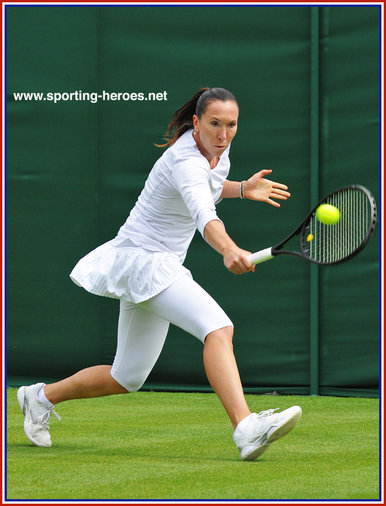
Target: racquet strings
{"type": "Point", "coordinates": [327, 244]}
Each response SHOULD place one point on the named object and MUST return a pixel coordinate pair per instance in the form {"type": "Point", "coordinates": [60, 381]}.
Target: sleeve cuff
{"type": "Point", "coordinates": [204, 217]}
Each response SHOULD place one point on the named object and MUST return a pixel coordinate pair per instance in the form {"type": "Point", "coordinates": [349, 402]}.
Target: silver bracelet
{"type": "Point", "coordinates": [242, 189]}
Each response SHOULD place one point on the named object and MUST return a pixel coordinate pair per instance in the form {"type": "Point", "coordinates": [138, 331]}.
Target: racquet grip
{"type": "Point", "coordinates": [261, 256]}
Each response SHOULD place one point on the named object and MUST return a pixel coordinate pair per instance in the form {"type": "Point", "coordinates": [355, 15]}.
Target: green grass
{"type": "Point", "coordinates": [150, 445]}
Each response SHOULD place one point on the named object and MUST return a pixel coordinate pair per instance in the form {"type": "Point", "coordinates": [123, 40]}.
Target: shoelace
{"type": "Point", "coordinates": [45, 418]}
{"type": "Point", "coordinates": [267, 412]}
{"type": "Point", "coordinates": [242, 436]}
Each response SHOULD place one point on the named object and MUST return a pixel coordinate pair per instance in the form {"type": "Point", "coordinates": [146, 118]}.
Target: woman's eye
{"type": "Point", "coordinates": [214, 123]}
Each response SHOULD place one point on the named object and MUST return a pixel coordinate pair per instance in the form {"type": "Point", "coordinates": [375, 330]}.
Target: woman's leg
{"type": "Point", "coordinates": [256, 431]}
{"type": "Point", "coordinates": [91, 382]}
{"type": "Point", "coordinates": [141, 336]}
{"type": "Point", "coordinates": [223, 375]}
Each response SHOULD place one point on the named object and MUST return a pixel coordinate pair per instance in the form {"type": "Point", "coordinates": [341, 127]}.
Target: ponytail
{"type": "Point", "coordinates": [182, 119]}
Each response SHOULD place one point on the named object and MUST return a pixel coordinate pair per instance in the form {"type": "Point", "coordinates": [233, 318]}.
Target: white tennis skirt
{"type": "Point", "coordinates": [129, 273]}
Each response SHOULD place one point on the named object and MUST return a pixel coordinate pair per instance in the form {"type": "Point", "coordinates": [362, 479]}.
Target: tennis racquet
{"type": "Point", "coordinates": [331, 244]}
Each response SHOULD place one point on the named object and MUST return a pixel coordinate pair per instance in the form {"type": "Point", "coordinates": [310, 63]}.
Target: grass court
{"type": "Point", "coordinates": [156, 445]}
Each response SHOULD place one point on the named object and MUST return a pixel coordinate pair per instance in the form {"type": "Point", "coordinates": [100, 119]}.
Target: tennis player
{"type": "Point", "coordinates": [143, 268]}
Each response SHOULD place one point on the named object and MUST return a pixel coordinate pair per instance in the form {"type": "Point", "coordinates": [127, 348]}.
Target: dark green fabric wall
{"type": "Point", "coordinates": [75, 168]}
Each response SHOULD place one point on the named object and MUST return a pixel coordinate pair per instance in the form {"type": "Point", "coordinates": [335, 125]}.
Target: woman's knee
{"type": "Point", "coordinates": [224, 335]}
{"type": "Point", "coordinates": [134, 386]}
{"type": "Point", "coordinates": [130, 382]}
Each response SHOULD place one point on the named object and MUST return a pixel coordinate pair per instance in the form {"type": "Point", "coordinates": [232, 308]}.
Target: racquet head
{"type": "Point", "coordinates": [337, 243]}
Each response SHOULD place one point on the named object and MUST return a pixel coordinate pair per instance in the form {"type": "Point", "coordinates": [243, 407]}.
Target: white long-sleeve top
{"type": "Point", "coordinates": [146, 256]}
{"type": "Point", "coordinates": [179, 197]}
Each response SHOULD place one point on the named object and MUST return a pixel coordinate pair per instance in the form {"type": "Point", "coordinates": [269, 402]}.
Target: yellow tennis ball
{"type": "Point", "coordinates": [328, 214]}
{"type": "Point", "coordinates": [310, 237]}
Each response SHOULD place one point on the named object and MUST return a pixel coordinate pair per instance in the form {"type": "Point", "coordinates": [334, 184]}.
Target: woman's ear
{"type": "Point", "coordinates": [195, 121]}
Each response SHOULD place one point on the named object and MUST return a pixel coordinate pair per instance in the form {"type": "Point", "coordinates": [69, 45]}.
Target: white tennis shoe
{"type": "Point", "coordinates": [36, 415]}
{"type": "Point", "coordinates": [260, 430]}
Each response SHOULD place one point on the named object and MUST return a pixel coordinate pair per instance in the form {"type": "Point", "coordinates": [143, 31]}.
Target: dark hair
{"type": "Point", "coordinates": [182, 119]}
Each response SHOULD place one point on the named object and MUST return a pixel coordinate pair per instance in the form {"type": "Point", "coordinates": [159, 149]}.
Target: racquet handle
{"type": "Point", "coordinates": [261, 256]}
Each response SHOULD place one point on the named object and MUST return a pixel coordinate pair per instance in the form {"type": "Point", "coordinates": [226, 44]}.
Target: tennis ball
{"type": "Point", "coordinates": [328, 214]}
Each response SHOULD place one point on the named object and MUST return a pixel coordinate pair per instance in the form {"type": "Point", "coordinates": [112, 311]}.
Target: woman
{"type": "Point", "coordinates": [143, 268]}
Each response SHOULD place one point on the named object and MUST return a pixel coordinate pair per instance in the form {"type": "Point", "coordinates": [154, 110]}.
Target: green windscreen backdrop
{"type": "Point", "coordinates": [307, 82]}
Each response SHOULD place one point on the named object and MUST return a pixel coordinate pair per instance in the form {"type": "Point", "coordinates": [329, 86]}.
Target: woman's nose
{"type": "Point", "coordinates": [222, 133]}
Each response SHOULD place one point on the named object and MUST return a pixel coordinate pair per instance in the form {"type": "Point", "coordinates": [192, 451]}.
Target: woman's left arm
{"type": "Point", "coordinates": [257, 188]}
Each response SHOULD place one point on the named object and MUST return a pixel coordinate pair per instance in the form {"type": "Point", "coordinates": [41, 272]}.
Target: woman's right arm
{"type": "Point", "coordinates": [192, 183]}
{"type": "Point", "coordinates": [235, 258]}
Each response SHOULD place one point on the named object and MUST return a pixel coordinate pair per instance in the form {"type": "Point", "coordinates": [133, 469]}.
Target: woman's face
{"type": "Point", "coordinates": [217, 127]}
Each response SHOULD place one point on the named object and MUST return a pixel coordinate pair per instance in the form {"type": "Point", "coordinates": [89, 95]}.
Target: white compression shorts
{"type": "Point", "coordinates": [142, 328]}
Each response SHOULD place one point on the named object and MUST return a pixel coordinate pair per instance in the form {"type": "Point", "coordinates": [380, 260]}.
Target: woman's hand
{"type": "Point", "coordinates": [258, 188]}
{"type": "Point", "coordinates": [236, 260]}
